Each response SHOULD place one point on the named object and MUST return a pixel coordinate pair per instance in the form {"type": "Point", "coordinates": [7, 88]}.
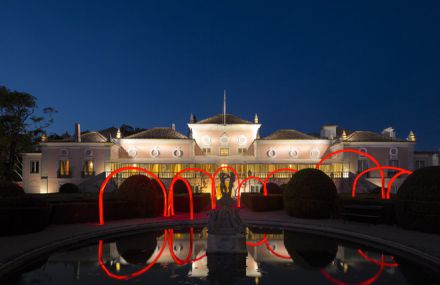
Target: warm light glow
{"type": "Point", "coordinates": [118, 134]}
{"type": "Point", "coordinates": [344, 135]}
{"type": "Point", "coordinates": [118, 266]}
{"type": "Point", "coordinates": [411, 137]}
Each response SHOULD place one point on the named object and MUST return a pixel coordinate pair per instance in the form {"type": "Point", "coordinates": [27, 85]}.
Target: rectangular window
{"type": "Point", "coordinates": [64, 168]}
{"type": "Point", "coordinates": [224, 151]}
{"type": "Point", "coordinates": [420, 164]}
{"type": "Point", "coordinates": [242, 150]}
{"type": "Point", "coordinates": [88, 169]}
{"type": "Point", "coordinates": [395, 163]}
{"type": "Point", "coordinates": [35, 166]}
{"type": "Point", "coordinates": [363, 165]}
{"type": "Point", "coordinates": [206, 150]}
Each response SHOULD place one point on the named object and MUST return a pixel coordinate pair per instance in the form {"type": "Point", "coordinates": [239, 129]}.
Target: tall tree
{"type": "Point", "coordinates": [16, 133]}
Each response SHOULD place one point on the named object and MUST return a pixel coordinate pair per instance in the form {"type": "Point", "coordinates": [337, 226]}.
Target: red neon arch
{"type": "Point", "coordinates": [390, 183]}
{"type": "Point", "coordinates": [365, 282]}
{"type": "Point", "coordinates": [171, 200]}
{"type": "Point", "coordinates": [318, 165]}
{"type": "Point", "coordinates": [140, 169]}
{"type": "Point", "coordinates": [196, 169]}
{"type": "Point", "coordinates": [242, 183]}
{"type": "Point", "coordinates": [272, 173]}
{"type": "Point", "coordinates": [367, 258]}
{"type": "Point", "coordinates": [171, 247]}
{"type": "Point", "coordinates": [226, 167]}
{"type": "Point", "coordinates": [266, 242]}
{"type": "Point", "coordinates": [134, 274]}
{"type": "Point", "coordinates": [403, 171]}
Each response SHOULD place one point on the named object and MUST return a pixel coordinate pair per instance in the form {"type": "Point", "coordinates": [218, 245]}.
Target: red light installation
{"type": "Point", "coordinates": [272, 173]}
{"type": "Point", "coordinates": [318, 165]}
{"type": "Point", "coordinates": [242, 182]}
{"type": "Point", "coordinates": [134, 274]}
{"type": "Point", "coordinates": [171, 199]}
{"type": "Point", "coordinates": [266, 242]}
{"type": "Point", "coordinates": [177, 260]}
{"type": "Point", "coordinates": [367, 258]}
{"type": "Point", "coordinates": [140, 169]}
{"type": "Point", "coordinates": [196, 169]}
{"type": "Point", "coordinates": [390, 183]}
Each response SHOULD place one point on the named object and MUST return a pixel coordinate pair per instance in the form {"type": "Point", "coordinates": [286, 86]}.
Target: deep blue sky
{"type": "Point", "coordinates": [364, 65]}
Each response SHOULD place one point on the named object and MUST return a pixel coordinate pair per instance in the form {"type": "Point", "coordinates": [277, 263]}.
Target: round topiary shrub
{"type": "Point", "coordinates": [24, 214]}
{"type": "Point", "coordinates": [143, 196]}
{"type": "Point", "coordinates": [418, 200]}
{"type": "Point", "coordinates": [311, 194]}
{"type": "Point", "coordinates": [68, 188]}
{"type": "Point", "coordinates": [272, 188]}
{"type": "Point", "coordinates": [10, 189]}
{"type": "Point", "coordinates": [179, 188]}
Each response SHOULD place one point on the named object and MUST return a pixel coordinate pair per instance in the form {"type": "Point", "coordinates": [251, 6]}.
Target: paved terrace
{"type": "Point", "coordinates": [17, 250]}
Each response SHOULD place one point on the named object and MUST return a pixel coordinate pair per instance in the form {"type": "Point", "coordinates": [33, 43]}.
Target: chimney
{"type": "Point", "coordinates": [77, 132]}
{"type": "Point", "coordinates": [328, 131]}
{"type": "Point", "coordinates": [173, 126]}
{"type": "Point", "coordinates": [389, 132]}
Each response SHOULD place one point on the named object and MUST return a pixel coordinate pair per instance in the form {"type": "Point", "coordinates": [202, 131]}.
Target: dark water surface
{"type": "Point", "coordinates": [273, 257]}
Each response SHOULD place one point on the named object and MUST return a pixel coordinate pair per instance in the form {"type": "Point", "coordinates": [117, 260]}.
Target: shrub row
{"type": "Point", "coordinates": [258, 203]}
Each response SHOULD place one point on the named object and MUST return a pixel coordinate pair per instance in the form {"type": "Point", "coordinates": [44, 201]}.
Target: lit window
{"type": "Point", "coordinates": [242, 150]}
{"type": "Point", "coordinates": [35, 166]}
{"type": "Point", "coordinates": [88, 168]}
{"type": "Point", "coordinates": [64, 168]}
{"type": "Point", "coordinates": [206, 150]}
{"type": "Point", "coordinates": [224, 151]}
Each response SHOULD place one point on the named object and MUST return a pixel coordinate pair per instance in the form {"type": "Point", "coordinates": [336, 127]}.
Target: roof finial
{"type": "Point", "coordinates": [344, 135]}
{"type": "Point", "coordinates": [118, 134]}
{"type": "Point", "coordinates": [256, 119]}
{"type": "Point", "coordinates": [224, 107]}
{"type": "Point", "coordinates": [411, 136]}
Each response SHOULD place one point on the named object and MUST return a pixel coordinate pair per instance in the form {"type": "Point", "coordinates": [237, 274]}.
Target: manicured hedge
{"type": "Point", "coordinates": [418, 200]}
{"type": "Point", "coordinates": [143, 196]}
{"type": "Point", "coordinates": [68, 188]}
{"type": "Point", "coordinates": [272, 188]}
{"type": "Point", "coordinates": [24, 214]}
{"type": "Point", "coordinates": [310, 251]}
{"type": "Point", "coordinates": [258, 203]}
{"type": "Point", "coordinates": [311, 194]}
{"type": "Point", "coordinates": [9, 189]}
{"type": "Point", "coordinates": [201, 202]}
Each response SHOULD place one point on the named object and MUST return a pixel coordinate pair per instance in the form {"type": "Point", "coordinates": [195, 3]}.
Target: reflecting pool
{"type": "Point", "coordinates": [178, 256]}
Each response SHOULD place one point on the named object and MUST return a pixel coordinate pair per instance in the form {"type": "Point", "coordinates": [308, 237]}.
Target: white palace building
{"type": "Point", "coordinates": [224, 139]}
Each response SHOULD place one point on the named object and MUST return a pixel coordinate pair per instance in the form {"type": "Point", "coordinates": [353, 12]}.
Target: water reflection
{"type": "Point", "coordinates": [179, 256]}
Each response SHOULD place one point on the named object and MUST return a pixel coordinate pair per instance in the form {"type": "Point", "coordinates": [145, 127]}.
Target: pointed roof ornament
{"type": "Point", "coordinates": [192, 118]}
{"type": "Point", "coordinates": [411, 137]}
{"type": "Point", "coordinates": [224, 107]}
{"type": "Point", "coordinates": [43, 137]}
{"type": "Point", "coordinates": [118, 134]}
{"type": "Point", "coordinates": [256, 119]}
{"type": "Point", "coordinates": [173, 126]}
{"type": "Point", "coordinates": [344, 135]}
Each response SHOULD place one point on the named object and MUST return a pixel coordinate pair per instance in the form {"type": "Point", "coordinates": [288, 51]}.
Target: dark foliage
{"type": "Point", "coordinates": [10, 189]}
{"type": "Point", "coordinates": [418, 200]}
{"type": "Point", "coordinates": [258, 203]}
{"type": "Point", "coordinates": [201, 202]}
{"type": "Point", "coordinates": [272, 188]}
{"type": "Point", "coordinates": [310, 193]}
{"type": "Point", "coordinates": [68, 188]}
{"type": "Point", "coordinates": [180, 187]}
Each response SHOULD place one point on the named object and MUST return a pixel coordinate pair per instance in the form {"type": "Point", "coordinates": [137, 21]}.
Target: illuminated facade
{"type": "Point", "coordinates": [87, 158]}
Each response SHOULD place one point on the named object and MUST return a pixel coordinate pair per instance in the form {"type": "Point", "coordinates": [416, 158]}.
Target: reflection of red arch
{"type": "Point", "coordinates": [171, 247]}
{"type": "Point", "coordinates": [318, 165]}
{"type": "Point", "coordinates": [171, 199]}
{"type": "Point", "coordinates": [242, 183]}
{"type": "Point", "coordinates": [270, 174]}
{"type": "Point", "coordinates": [135, 274]}
{"type": "Point", "coordinates": [367, 258]}
{"type": "Point", "coordinates": [196, 169]}
{"type": "Point", "coordinates": [266, 242]}
{"type": "Point", "coordinates": [140, 169]}
{"type": "Point", "coordinates": [390, 183]}
{"type": "Point", "coordinates": [365, 282]}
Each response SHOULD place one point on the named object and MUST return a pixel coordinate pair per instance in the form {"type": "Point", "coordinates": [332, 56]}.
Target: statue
{"type": "Point", "coordinates": [231, 182]}
{"type": "Point", "coordinates": [223, 189]}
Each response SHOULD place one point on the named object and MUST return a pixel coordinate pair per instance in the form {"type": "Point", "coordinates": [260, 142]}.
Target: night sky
{"type": "Point", "coordinates": [364, 65]}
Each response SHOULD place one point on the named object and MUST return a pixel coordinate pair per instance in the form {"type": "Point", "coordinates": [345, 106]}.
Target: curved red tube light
{"type": "Point", "coordinates": [272, 173]}
{"type": "Point", "coordinates": [318, 165]}
{"type": "Point", "coordinates": [171, 247]}
{"type": "Point", "coordinates": [402, 171]}
{"type": "Point", "coordinates": [392, 180]}
{"type": "Point", "coordinates": [367, 258]}
{"type": "Point", "coordinates": [134, 274]}
{"type": "Point", "coordinates": [140, 169]}
{"type": "Point", "coordinates": [242, 183]}
{"type": "Point", "coordinates": [196, 169]}
{"type": "Point", "coordinates": [171, 200]}
{"type": "Point", "coordinates": [266, 242]}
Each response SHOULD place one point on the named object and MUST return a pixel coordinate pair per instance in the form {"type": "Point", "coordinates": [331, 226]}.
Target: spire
{"type": "Point", "coordinates": [224, 107]}
{"type": "Point", "coordinates": [43, 137]}
{"type": "Point", "coordinates": [344, 135]}
{"type": "Point", "coordinates": [411, 136]}
{"type": "Point", "coordinates": [118, 134]}
{"type": "Point", "coordinates": [256, 119]}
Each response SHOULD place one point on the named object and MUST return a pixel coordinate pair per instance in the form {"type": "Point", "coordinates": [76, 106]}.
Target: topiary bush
{"type": "Point", "coordinates": [10, 189]}
{"type": "Point", "coordinates": [180, 187]}
{"type": "Point", "coordinates": [310, 194]}
{"type": "Point", "coordinates": [24, 214]}
{"type": "Point", "coordinates": [256, 202]}
{"type": "Point", "coordinates": [272, 188]}
{"type": "Point", "coordinates": [68, 188]}
{"type": "Point", "coordinates": [143, 196]}
{"type": "Point", "coordinates": [418, 200]}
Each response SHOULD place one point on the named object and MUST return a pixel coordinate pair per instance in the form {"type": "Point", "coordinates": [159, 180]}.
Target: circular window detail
{"type": "Point", "coordinates": [314, 153]}
{"type": "Point", "coordinates": [88, 152]}
{"type": "Point", "coordinates": [64, 152]}
{"type": "Point", "coordinates": [132, 152]}
{"type": "Point", "coordinates": [155, 152]}
{"type": "Point", "coordinates": [394, 151]}
{"type": "Point", "coordinates": [224, 140]}
{"type": "Point", "coordinates": [177, 152]}
{"type": "Point", "coordinates": [242, 140]}
{"type": "Point", "coordinates": [271, 153]}
{"type": "Point", "coordinates": [293, 153]}
{"type": "Point", "coordinates": [206, 140]}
